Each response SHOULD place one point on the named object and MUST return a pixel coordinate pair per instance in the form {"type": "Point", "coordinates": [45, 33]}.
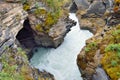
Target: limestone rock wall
{"type": "Point", "coordinates": [12, 17]}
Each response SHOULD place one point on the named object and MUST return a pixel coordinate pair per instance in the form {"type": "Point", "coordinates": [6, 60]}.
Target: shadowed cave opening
{"type": "Point", "coordinates": [25, 35]}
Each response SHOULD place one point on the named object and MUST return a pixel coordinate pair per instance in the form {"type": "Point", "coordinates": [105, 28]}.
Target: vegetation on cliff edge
{"type": "Point", "coordinates": [51, 16]}
{"type": "Point", "coordinates": [14, 65]}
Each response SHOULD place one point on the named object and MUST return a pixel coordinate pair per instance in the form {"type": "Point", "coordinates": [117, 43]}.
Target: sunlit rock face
{"type": "Point", "coordinates": [49, 36]}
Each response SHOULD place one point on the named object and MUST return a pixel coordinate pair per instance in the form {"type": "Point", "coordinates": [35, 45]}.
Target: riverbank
{"type": "Point", "coordinates": [96, 60]}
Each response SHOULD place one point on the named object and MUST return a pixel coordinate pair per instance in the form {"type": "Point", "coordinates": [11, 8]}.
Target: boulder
{"type": "Point", "coordinates": [49, 36]}
{"type": "Point", "coordinates": [100, 74]}
{"type": "Point", "coordinates": [91, 23]}
{"type": "Point", "coordinates": [97, 8]}
{"type": "Point", "coordinates": [82, 4]}
{"type": "Point", "coordinates": [73, 8]}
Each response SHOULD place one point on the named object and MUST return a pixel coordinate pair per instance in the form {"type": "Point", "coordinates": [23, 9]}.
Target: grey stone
{"type": "Point", "coordinates": [97, 8]}
{"type": "Point", "coordinates": [82, 4]}
{"type": "Point", "coordinates": [0, 31]}
{"type": "Point", "coordinates": [100, 75]}
{"type": "Point", "coordinates": [7, 34]}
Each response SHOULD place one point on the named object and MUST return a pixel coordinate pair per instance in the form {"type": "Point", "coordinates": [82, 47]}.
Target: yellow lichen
{"type": "Point", "coordinates": [39, 28]}
{"type": "Point", "coordinates": [26, 7]}
{"type": "Point", "coordinates": [111, 53]}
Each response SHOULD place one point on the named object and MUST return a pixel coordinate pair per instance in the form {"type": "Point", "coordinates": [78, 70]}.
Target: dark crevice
{"type": "Point", "coordinates": [73, 8]}
{"type": "Point", "coordinates": [25, 35]}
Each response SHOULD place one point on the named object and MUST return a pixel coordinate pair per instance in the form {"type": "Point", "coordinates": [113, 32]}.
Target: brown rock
{"type": "Point", "coordinates": [89, 71]}
{"type": "Point", "coordinates": [54, 35]}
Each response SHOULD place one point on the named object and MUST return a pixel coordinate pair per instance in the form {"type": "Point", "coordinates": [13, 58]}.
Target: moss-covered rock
{"type": "Point", "coordinates": [111, 57]}
{"type": "Point", "coordinates": [15, 66]}
{"type": "Point", "coordinates": [105, 54]}
{"type": "Point", "coordinates": [104, 51]}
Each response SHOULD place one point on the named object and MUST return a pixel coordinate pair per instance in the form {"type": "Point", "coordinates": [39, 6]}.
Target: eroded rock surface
{"type": "Point", "coordinates": [12, 19]}
{"type": "Point", "coordinates": [89, 59]}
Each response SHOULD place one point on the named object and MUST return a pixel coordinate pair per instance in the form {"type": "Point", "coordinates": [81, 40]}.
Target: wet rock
{"type": "Point", "coordinates": [100, 75]}
{"type": "Point", "coordinates": [46, 75]}
{"type": "Point", "coordinates": [82, 4]}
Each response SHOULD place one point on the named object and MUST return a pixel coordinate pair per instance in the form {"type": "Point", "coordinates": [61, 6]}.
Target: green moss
{"type": "Point", "coordinates": [50, 20]}
{"type": "Point", "coordinates": [39, 28]}
{"type": "Point", "coordinates": [87, 49]}
{"type": "Point", "coordinates": [113, 47]}
{"type": "Point", "coordinates": [11, 61]}
{"type": "Point", "coordinates": [110, 50]}
{"type": "Point", "coordinates": [111, 58]}
{"type": "Point", "coordinates": [40, 11]}
{"type": "Point", "coordinates": [91, 46]}
{"type": "Point", "coordinates": [26, 4]}
{"type": "Point", "coordinates": [111, 63]}
{"type": "Point", "coordinates": [116, 32]}
{"type": "Point", "coordinates": [9, 70]}
{"type": "Point", "coordinates": [114, 63]}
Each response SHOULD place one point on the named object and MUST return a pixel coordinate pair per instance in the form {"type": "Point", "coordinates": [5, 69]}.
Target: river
{"type": "Point", "coordinates": [61, 62]}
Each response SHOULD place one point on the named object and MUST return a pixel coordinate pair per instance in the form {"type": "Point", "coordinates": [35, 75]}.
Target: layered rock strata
{"type": "Point", "coordinates": [94, 19]}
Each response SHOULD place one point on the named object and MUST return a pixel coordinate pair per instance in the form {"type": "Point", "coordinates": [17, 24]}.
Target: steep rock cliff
{"type": "Point", "coordinates": [11, 21]}
{"type": "Point", "coordinates": [89, 59]}
{"type": "Point", "coordinates": [53, 35]}
{"type": "Point", "coordinates": [14, 63]}
{"type": "Point", "coordinates": [47, 28]}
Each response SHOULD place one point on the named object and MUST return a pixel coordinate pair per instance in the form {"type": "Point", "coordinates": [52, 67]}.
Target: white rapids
{"type": "Point", "coordinates": [61, 62]}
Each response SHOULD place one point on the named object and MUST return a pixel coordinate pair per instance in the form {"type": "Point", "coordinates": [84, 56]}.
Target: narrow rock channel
{"type": "Point", "coordinates": [61, 62]}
